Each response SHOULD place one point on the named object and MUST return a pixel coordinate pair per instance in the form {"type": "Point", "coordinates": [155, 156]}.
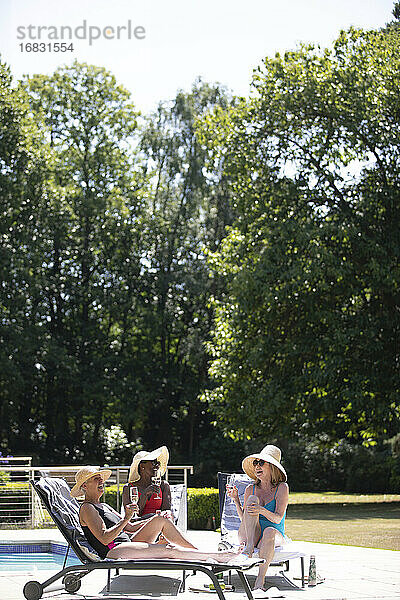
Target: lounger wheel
{"type": "Point", "coordinates": [33, 590]}
{"type": "Point", "coordinates": [224, 546]}
{"type": "Point", "coordinates": [72, 584]}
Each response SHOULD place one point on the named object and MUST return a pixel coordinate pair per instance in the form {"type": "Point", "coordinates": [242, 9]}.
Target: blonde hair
{"type": "Point", "coordinates": [276, 475]}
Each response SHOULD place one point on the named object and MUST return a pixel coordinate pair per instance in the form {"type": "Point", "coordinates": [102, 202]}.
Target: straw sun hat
{"type": "Point", "coordinates": [84, 474]}
{"type": "Point", "coordinates": [161, 454]}
{"type": "Point", "coordinates": [271, 454]}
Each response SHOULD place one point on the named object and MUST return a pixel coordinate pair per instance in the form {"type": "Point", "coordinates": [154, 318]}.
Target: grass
{"type": "Point", "coordinates": [371, 521]}
{"type": "Point", "coordinates": [340, 497]}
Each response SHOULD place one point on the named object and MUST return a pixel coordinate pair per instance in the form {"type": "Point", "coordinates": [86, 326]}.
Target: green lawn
{"type": "Point", "coordinates": [371, 521]}
{"type": "Point", "coordinates": [335, 497]}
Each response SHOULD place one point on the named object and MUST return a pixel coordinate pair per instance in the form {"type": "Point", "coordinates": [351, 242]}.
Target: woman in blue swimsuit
{"type": "Point", "coordinates": [264, 508]}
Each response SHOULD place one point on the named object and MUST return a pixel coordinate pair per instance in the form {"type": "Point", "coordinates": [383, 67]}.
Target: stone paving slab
{"type": "Point", "coordinates": [350, 573]}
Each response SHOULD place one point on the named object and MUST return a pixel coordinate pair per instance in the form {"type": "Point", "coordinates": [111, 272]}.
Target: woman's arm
{"type": "Point", "coordinates": [125, 495]}
{"type": "Point", "coordinates": [89, 516]}
{"type": "Point", "coordinates": [234, 494]}
{"type": "Point", "coordinates": [166, 495]}
{"type": "Point", "coordinates": [282, 499]}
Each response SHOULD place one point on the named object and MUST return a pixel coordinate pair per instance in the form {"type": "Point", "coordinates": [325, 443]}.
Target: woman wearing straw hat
{"type": "Point", "coordinates": [264, 508]}
{"type": "Point", "coordinates": [144, 468]}
{"type": "Point", "coordinates": [113, 536]}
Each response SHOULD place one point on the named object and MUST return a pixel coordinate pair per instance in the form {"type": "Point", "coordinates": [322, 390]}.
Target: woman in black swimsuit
{"type": "Point", "coordinates": [113, 536]}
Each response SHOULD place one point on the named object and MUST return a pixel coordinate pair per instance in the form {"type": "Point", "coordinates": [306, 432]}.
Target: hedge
{"type": "Point", "coordinates": [203, 508]}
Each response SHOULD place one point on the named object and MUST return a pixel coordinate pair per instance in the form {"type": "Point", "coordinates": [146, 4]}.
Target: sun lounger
{"type": "Point", "coordinates": [64, 511]}
{"type": "Point", "coordinates": [230, 523]}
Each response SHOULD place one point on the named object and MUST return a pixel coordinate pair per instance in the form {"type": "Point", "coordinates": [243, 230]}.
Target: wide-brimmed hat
{"type": "Point", "coordinates": [161, 454]}
{"type": "Point", "coordinates": [270, 454]}
{"type": "Point", "coordinates": [84, 474]}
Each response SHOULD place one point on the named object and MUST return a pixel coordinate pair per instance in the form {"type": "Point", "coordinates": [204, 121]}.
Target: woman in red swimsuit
{"type": "Point", "coordinates": [152, 498]}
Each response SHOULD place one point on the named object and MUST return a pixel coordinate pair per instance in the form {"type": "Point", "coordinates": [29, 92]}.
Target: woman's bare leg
{"type": "Point", "coordinates": [250, 530]}
{"type": "Point", "coordinates": [156, 525]}
{"type": "Point", "coordinates": [270, 538]}
{"type": "Point", "coordinates": [142, 550]}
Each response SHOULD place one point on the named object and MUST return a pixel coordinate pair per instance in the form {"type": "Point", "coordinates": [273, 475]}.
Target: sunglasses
{"type": "Point", "coordinates": [258, 461]}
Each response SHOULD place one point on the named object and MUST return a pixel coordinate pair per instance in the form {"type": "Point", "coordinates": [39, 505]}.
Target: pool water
{"type": "Point", "coordinates": [26, 557]}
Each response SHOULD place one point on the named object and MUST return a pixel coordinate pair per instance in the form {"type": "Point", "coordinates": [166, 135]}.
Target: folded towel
{"type": "Point", "coordinates": [242, 560]}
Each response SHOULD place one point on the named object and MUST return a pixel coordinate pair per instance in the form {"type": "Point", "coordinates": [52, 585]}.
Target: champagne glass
{"type": "Point", "coordinates": [134, 497]}
{"type": "Point", "coordinates": [156, 480]}
{"type": "Point", "coordinates": [229, 485]}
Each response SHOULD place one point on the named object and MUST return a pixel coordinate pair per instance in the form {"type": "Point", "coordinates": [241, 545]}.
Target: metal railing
{"type": "Point", "coordinates": [20, 506]}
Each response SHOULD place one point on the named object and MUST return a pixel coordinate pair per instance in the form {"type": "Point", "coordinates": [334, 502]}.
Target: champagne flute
{"type": "Point", "coordinates": [134, 497]}
{"type": "Point", "coordinates": [156, 480]}
{"type": "Point", "coordinates": [229, 485]}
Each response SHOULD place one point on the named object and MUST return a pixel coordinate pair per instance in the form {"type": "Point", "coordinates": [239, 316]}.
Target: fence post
{"type": "Point", "coordinates": [32, 497]}
{"type": "Point", "coordinates": [117, 489]}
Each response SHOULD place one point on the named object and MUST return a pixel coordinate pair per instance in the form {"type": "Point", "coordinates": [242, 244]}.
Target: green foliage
{"type": "Point", "coordinates": [369, 471]}
{"type": "Point", "coordinates": [318, 463]}
{"type": "Point", "coordinates": [17, 486]}
{"type": "Point", "coordinates": [106, 288]}
{"type": "Point", "coordinates": [111, 494]}
{"type": "Point", "coordinates": [24, 159]}
{"type": "Point", "coordinates": [305, 336]}
{"type": "Point", "coordinates": [187, 213]}
{"type": "Point", "coordinates": [202, 507]}
{"type": "Point", "coordinates": [107, 299]}
{"type": "Point", "coordinates": [117, 448]}
{"type": "Point", "coordinates": [394, 462]}
{"type": "Point", "coordinates": [215, 453]}
{"type": "Point", "coordinates": [4, 477]}
{"type": "Point", "coordinates": [396, 11]}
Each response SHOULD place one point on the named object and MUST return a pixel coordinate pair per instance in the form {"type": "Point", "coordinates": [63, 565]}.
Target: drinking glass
{"type": "Point", "coordinates": [156, 480]}
{"type": "Point", "coordinates": [134, 496]}
{"type": "Point", "coordinates": [229, 485]}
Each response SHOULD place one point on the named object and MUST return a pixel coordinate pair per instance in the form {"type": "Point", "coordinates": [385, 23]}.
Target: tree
{"type": "Point", "coordinates": [307, 338]}
{"type": "Point", "coordinates": [396, 11]}
{"type": "Point", "coordinates": [113, 322]}
{"type": "Point", "coordinates": [187, 212]}
{"type": "Point", "coordinates": [24, 161]}
{"type": "Point", "coordinates": [83, 274]}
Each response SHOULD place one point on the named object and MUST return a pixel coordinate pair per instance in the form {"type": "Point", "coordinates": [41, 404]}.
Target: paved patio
{"type": "Point", "coordinates": [350, 573]}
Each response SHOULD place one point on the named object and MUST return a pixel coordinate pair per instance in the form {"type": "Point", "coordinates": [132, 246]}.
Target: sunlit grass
{"type": "Point", "coordinates": [339, 497]}
{"type": "Point", "coordinates": [359, 521]}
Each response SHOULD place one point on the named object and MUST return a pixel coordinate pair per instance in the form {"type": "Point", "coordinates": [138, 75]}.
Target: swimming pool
{"type": "Point", "coordinates": [46, 556]}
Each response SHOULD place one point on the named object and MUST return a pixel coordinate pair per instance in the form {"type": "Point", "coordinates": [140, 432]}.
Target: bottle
{"type": "Point", "coordinates": [312, 573]}
{"type": "Point", "coordinates": [220, 577]}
